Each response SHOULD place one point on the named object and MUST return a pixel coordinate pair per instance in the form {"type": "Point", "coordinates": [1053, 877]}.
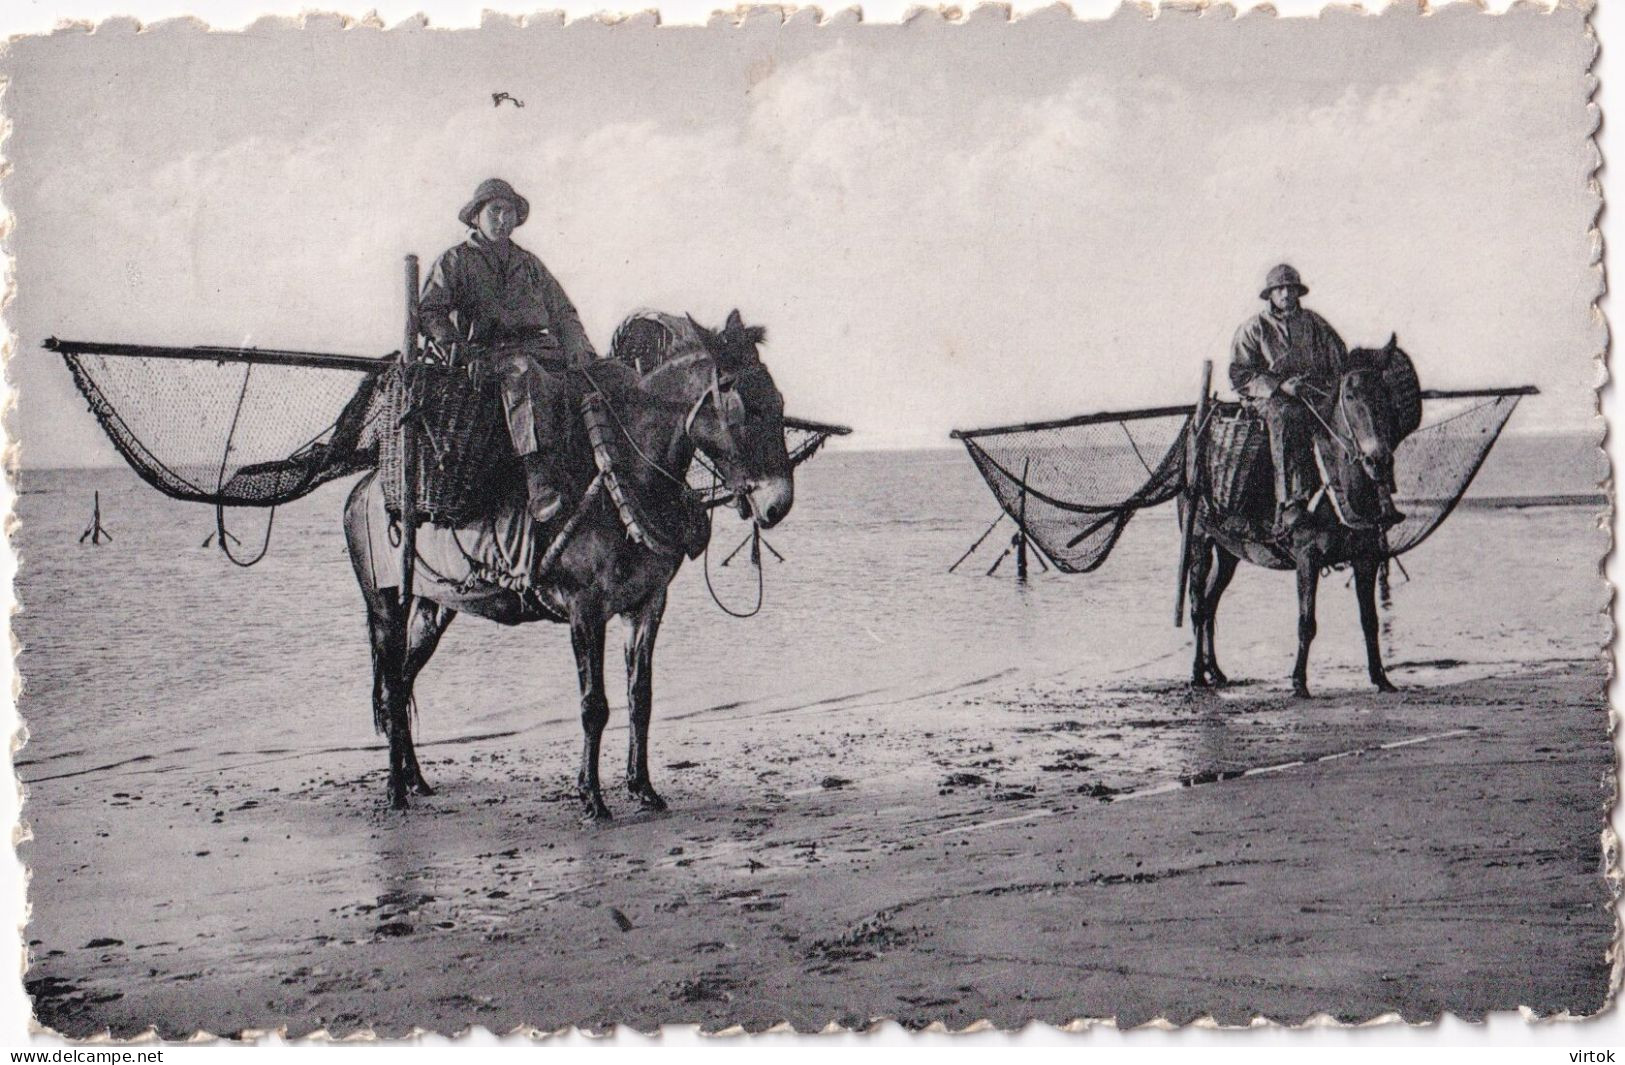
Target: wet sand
{"type": "Point", "coordinates": [1009, 851]}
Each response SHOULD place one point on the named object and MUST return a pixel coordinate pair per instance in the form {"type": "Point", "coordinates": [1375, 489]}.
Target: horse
{"type": "Point", "coordinates": [713, 394]}
{"type": "Point", "coordinates": [1356, 442]}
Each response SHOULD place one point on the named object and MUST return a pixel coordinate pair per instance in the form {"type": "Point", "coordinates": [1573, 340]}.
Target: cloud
{"type": "Point", "coordinates": [925, 255]}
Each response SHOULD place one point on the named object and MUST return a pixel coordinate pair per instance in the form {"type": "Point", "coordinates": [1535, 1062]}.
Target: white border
{"type": "Point", "coordinates": [1502, 1037]}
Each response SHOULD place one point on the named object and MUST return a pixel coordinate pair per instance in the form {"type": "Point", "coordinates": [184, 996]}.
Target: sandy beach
{"type": "Point", "coordinates": [904, 782]}
{"type": "Point", "coordinates": [1023, 857]}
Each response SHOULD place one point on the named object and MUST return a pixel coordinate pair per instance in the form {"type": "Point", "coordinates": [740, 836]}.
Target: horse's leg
{"type": "Point", "coordinates": [587, 640]}
{"type": "Point", "coordinates": [1365, 589]}
{"type": "Point", "coordinates": [1224, 570]}
{"type": "Point", "coordinates": [1202, 552]}
{"type": "Point", "coordinates": [640, 690]}
{"type": "Point", "coordinates": [1308, 585]}
{"type": "Point", "coordinates": [429, 622]}
{"type": "Point", "coordinates": [390, 692]}
{"type": "Point", "coordinates": [386, 631]}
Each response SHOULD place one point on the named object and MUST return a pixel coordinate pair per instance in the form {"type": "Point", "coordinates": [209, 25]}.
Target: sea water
{"type": "Point", "coordinates": [157, 648]}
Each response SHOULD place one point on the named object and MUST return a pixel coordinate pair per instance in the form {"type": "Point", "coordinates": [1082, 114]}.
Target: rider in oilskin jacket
{"type": "Point", "coordinates": [492, 303]}
{"type": "Point", "coordinates": [1279, 355]}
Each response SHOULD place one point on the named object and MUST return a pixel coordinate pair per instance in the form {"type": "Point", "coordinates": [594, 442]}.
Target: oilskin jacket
{"type": "Point", "coordinates": [493, 293]}
{"type": "Point", "coordinates": [1271, 347]}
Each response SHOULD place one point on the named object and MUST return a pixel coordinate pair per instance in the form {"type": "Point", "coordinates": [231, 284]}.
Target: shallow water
{"type": "Point", "coordinates": [154, 648]}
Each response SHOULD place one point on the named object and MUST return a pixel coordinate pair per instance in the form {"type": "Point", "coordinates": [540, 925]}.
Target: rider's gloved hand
{"type": "Point", "coordinates": [1289, 387]}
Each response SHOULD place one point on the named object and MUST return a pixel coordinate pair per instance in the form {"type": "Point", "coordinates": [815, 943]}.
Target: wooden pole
{"type": "Point", "coordinates": [96, 533]}
{"type": "Point", "coordinates": [1021, 533]}
{"type": "Point", "coordinates": [251, 356]}
{"type": "Point", "coordinates": [742, 544]}
{"type": "Point", "coordinates": [1193, 484]}
{"type": "Point", "coordinates": [409, 457]}
{"type": "Point", "coordinates": [979, 540]}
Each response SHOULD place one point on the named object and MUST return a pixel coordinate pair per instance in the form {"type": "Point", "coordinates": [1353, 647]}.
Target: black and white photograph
{"type": "Point", "coordinates": [974, 520]}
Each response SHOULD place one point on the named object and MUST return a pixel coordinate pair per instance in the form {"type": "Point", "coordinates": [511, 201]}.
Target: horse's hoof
{"type": "Point", "coordinates": [421, 787]}
{"type": "Point", "coordinates": [597, 812]}
{"type": "Point", "coordinates": [1199, 683]}
{"type": "Point", "coordinates": [1301, 691]}
{"type": "Point", "coordinates": [397, 800]}
{"type": "Point", "coordinates": [1218, 677]}
{"type": "Point", "coordinates": [1384, 686]}
{"type": "Point", "coordinates": [650, 800]}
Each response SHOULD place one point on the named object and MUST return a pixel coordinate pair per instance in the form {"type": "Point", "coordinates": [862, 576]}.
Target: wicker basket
{"type": "Point", "coordinates": [464, 457]}
{"type": "Point", "coordinates": [1237, 455]}
{"type": "Point", "coordinates": [1404, 395]}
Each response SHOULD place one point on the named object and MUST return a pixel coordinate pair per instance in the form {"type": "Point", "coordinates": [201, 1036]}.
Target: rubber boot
{"type": "Point", "coordinates": [1388, 515]}
{"type": "Point", "coordinates": [545, 502]}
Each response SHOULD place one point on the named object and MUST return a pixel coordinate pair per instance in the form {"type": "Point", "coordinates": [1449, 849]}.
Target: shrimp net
{"type": "Point", "coordinates": [230, 433]}
{"type": "Point", "coordinates": [223, 430]}
{"type": "Point", "coordinates": [1073, 486]}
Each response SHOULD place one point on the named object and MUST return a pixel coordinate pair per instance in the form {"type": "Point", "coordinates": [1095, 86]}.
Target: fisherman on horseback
{"type": "Point", "coordinates": [1286, 363]}
{"type": "Point", "coordinates": [492, 306]}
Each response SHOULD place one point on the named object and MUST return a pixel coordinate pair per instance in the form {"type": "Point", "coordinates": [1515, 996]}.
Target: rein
{"type": "Point", "coordinates": [1347, 443]}
{"type": "Point", "coordinates": [1345, 440]}
{"type": "Point", "coordinates": [688, 423]}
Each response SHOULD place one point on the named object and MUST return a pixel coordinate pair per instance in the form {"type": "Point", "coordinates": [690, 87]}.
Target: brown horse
{"type": "Point", "coordinates": [714, 395]}
{"type": "Point", "coordinates": [1356, 440]}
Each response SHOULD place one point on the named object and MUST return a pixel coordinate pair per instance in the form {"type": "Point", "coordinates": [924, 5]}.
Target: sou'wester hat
{"type": "Point", "coordinates": [1282, 276]}
{"type": "Point", "coordinates": [493, 189]}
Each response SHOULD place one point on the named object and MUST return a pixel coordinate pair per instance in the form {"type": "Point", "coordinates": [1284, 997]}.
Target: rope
{"type": "Point", "coordinates": [1474, 409]}
{"type": "Point", "coordinates": [1338, 440]}
{"type": "Point", "coordinates": [220, 482]}
{"type": "Point", "coordinates": [979, 541]}
{"type": "Point", "coordinates": [1136, 447]}
{"type": "Point", "coordinates": [761, 582]}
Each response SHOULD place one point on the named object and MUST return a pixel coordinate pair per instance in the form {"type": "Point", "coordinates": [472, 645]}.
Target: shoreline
{"type": "Point", "coordinates": [841, 867]}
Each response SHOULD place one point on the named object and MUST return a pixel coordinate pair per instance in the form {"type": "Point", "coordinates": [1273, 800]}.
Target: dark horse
{"type": "Point", "coordinates": [1356, 442]}
{"type": "Point", "coordinates": [712, 394]}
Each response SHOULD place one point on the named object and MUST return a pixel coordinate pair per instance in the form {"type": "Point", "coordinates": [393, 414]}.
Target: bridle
{"type": "Point", "coordinates": [1346, 440]}
{"type": "Point", "coordinates": [712, 393]}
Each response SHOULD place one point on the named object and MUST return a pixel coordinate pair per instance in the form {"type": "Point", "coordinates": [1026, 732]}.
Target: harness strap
{"type": "Point", "coordinates": [1326, 488]}
{"type": "Point", "coordinates": [601, 436]}
{"type": "Point", "coordinates": [562, 540]}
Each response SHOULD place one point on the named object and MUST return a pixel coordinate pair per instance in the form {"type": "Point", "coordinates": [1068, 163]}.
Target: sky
{"type": "Point", "coordinates": [940, 224]}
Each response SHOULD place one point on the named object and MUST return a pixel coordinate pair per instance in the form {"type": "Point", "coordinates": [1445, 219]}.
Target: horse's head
{"type": "Point", "coordinates": [1363, 408]}
{"type": "Point", "coordinates": [738, 421]}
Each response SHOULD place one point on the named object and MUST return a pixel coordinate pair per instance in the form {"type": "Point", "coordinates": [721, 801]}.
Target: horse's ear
{"type": "Point", "coordinates": [1393, 341]}
{"type": "Point", "coordinates": [756, 334]}
{"type": "Point", "coordinates": [735, 323]}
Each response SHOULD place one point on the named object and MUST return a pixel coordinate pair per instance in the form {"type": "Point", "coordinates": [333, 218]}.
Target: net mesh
{"type": "Point", "coordinates": [1083, 483]}
{"type": "Point", "coordinates": [1434, 466]}
{"type": "Point", "coordinates": [227, 433]}
{"type": "Point", "coordinates": [1074, 487]}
